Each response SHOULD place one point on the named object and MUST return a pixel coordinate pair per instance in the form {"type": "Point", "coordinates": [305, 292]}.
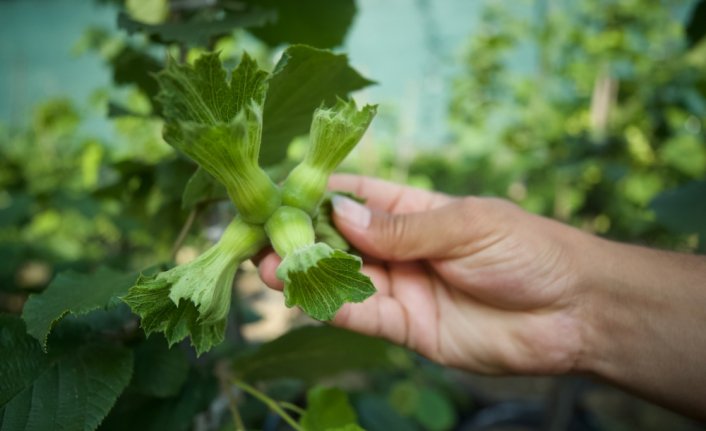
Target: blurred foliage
{"type": "Point", "coordinates": [609, 115]}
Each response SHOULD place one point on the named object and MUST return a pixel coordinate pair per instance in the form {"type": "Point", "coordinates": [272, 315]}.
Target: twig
{"type": "Point", "coordinates": [222, 373]}
{"type": "Point", "coordinates": [269, 402]}
{"type": "Point", "coordinates": [184, 231]}
{"type": "Point", "coordinates": [293, 407]}
{"type": "Point", "coordinates": [237, 419]}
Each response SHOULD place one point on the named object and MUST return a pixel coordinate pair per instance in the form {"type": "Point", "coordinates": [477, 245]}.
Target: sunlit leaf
{"type": "Point", "coordinates": [303, 79]}
{"type": "Point", "coordinates": [328, 409]}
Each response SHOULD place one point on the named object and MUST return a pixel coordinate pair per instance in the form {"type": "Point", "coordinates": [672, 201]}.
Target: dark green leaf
{"type": "Point", "coordinates": [303, 79]}
{"type": "Point", "coordinates": [76, 294]}
{"type": "Point", "coordinates": [434, 411]}
{"type": "Point", "coordinates": [696, 27]}
{"type": "Point", "coordinates": [116, 110]}
{"type": "Point", "coordinates": [375, 414]}
{"type": "Point", "coordinates": [320, 23]}
{"type": "Point", "coordinates": [404, 397]}
{"type": "Point", "coordinates": [201, 188]}
{"type": "Point", "coordinates": [135, 412]}
{"type": "Point", "coordinates": [17, 211]}
{"type": "Point", "coordinates": [159, 370]}
{"type": "Point", "coordinates": [312, 353]}
{"type": "Point", "coordinates": [73, 390]}
{"type": "Point", "coordinates": [197, 31]}
{"type": "Point", "coordinates": [132, 66]}
{"type": "Point", "coordinates": [22, 358]}
{"type": "Point", "coordinates": [683, 209]}
{"type": "Point", "coordinates": [327, 409]}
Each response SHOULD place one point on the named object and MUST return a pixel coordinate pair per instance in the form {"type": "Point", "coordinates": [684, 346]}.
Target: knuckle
{"type": "Point", "coordinates": [394, 234]}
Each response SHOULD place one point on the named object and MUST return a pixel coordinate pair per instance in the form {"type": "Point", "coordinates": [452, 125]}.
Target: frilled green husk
{"type": "Point", "coordinates": [194, 299]}
{"type": "Point", "coordinates": [229, 152]}
{"type": "Point", "coordinates": [334, 133]}
{"type": "Point", "coordinates": [320, 280]}
{"type": "Point", "coordinates": [149, 298]}
{"type": "Point", "coordinates": [218, 123]}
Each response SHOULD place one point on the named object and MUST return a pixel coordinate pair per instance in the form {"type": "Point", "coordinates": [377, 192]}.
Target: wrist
{"type": "Point", "coordinates": [600, 323]}
{"type": "Point", "coordinates": [642, 311]}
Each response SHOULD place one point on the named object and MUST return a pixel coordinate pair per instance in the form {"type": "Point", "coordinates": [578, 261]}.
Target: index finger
{"type": "Point", "coordinates": [388, 196]}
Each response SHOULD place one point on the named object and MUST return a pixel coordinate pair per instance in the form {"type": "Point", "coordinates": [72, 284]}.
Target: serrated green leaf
{"type": "Point", "coordinates": [328, 409]}
{"type": "Point", "coordinates": [312, 353]}
{"type": "Point", "coordinates": [197, 31]}
{"type": "Point", "coordinates": [320, 23]}
{"type": "Point", "coordinates": [72, 390]}
{"type": "Point", "coordinates": [159, 370]}
{"type": "Point", "coordinates": [304, 79]}
{"type": "Point", "coordinates": [320, 280]}
{"type": "Point", "coordinates": [22, 358]}
{"type": "Point", "coordinates": [76, 294]}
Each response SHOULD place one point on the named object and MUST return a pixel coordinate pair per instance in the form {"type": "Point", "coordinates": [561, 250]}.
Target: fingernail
{"type": "Point", "coordinates": [351, 211]}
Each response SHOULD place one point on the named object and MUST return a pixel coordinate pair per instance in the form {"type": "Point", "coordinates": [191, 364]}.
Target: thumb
{"type": "Point", "coordinates": [435, 233]}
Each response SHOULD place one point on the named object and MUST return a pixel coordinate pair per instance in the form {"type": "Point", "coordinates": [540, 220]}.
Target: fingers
{"type": "Point", "coordinates": [437, 233]}
{"type": "Point", "coordinates": [378, 316]}
{"type": "Point", "coordinates": [267, 268]}
{"type": "Point", "coordinates": [387, 196]}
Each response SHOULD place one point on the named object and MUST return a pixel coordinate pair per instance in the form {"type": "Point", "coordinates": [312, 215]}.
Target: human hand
{"type": "Point", "coordinates": [475, 283]}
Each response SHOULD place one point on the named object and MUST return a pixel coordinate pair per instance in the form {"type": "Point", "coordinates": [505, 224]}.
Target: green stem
{"type": "Point", "coordinates": [269, 402]}
{"type": "Point", "coordinates": [293, 407]}
{"type": "Point", "coordinates": [235, 413]}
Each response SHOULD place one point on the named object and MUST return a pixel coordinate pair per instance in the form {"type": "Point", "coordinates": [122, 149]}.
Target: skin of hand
{"type": "Point", "coordinates": [482, 285]}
